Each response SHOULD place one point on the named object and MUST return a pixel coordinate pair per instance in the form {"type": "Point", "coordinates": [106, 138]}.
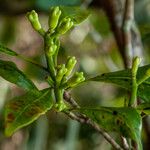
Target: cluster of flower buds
{"type": "Point", "coordinates": [64, 25]}
{"type": "Point", "coordinates": [56, 25]}
{"type": "Point", "coordinates": [64, 77]}
{"type": "Point", "coordinates": [77, 78]}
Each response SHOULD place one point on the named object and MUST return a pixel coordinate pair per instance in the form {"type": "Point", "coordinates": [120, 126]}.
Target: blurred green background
{"type": "Point", "coordinates": [95, 48]}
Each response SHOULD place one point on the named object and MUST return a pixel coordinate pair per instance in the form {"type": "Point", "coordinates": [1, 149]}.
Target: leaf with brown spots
{"type": "Point", "coordinates": [24, 109]}
{"type": "Point", "coordinates": [125, 121]}
{"type": "Point", "coordinates": [123, 79]}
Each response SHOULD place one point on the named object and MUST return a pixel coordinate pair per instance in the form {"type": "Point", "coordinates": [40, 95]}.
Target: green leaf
{"type": "Point", "coordinates": [144, 108]}
{"type": "Point", "coordinates": [77, 14]}
{"type": "Point", "coordinates": [44, 5]}
{"type": "Point", "coordinates": [23, 110]}
{"type": "Point", "coordinates": [11, 73]}
{"type": "Point", "coordinates": [7, 51]}
{"type": "Point", "coordinates": [125, 121]}
{"type": "Point", "coordinates": [123, 79]}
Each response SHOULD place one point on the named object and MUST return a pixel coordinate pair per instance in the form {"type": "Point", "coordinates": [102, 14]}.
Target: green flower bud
{"type": "Point", "coordinates": [135, 64]}
{"type": "Point", "coordinates": [64, 25]}
{"type": "Point", "coordinates": [61, 71]}
{"type": "Point", "coordinates": [34, 20]}
{"type": "Point", "coordinates": [54, 17]}
{"type": "Point", "coordinates": [77, 78]}
{"type": "Point", "coordinates": [52, 49]}
{"type": "Point", "coordinates": [71, 61]}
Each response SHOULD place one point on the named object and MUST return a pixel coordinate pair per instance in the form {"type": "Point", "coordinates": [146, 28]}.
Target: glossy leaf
{"type": "Point", "coordinates": [77, 14]}
{"type": "Point", "coordinates": [7, 51]}
{"type": "Point", "coordinates": [123, 79]}
{"type": "Point", "coordinates": [125, 121]}
{"type": "Point", "coordinates": [23, 110]}
{"type": "Point", "coordinates": [144, 108]}
{"type": "Point", "coordinates": [10, 72]}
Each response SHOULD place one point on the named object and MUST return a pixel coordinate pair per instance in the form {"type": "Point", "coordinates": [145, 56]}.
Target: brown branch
{"type": "Point", "coordinates": [137, 42]}
{"type": "Point", "coordinates": [70, 100]}
{"type": "Point", "coordinates": [128, 20]}
{"type": "Point", "coordinates": [85, 120]}
{"type": "Point", "coordinates": [114, 11]}
{"type": "Point", "coordinates": [125, 143]}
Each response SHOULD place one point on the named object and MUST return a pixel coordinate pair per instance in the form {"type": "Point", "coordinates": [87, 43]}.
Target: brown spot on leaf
{"type": "Point", "coordinates": [119, 122]}
{"type": "Point", "coordinates": [115, 112]}
{"type": "Point", "coordinates": [10, 118]}
{"type": "Point", "coordinates": [103, 74]}
{"type": "Point", "coordinates": [33, 111]}
{"type": "Point", "coordinates": [15, 105]}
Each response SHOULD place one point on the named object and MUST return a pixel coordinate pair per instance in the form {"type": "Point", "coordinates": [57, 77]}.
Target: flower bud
{"type": "Point", "coordinates": [135, 65]}
{"type": "Point", "coordinates": [64, 25]}
{"type": "Point", "coordinates": [71, 61]}
{"type": "Point", "coordinates": [52, 49]}
{"type": "Point", "coordinates": [34, 20]}
{"type": "Point", "coordinates": [54, 17]}
{"type": "Point", "coordinates": [77, 78]}
{"type": "Point", "coordinates": [61, 71]}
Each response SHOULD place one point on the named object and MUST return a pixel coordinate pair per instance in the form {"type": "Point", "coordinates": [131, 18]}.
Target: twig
{"type": "Point", "coordinates": [85, 120]}
{"type": "Point", "coordinates": [70, 100]}
{"type": "Point", "coordinates": [136, 41]}
{"type": "Point", "coordinates": [125, 143]}
{"type": "Point", "coordinates": [128, 20]}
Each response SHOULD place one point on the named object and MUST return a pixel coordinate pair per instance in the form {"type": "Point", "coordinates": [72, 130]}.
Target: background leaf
{"type": "Point", "coordinates": [123, 79]}
{"type": "Point", "coordinates": [46, 4]}
{"type": "Point", "coordinates": [7, 51]}
{"type": "Point", "coordinates": [125, 121]}
{"type": "Point", "coordinates": [77, 14]}
{"type": "Point", "coordinates": [11, 73]}
{"type": "Point", "coordinates": [23, 110]}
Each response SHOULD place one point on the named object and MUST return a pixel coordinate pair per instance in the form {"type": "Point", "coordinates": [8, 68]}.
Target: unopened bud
{"type": "Point", "coordinates": [77, 78]}
{"type": "Point", "coordinates": [54, 18]}
{"type": "Point", "coordinates": [61, 71]}
{"type": "Point", "coordinates": [34, 20]}
{"type": "Point", "coordinates": [64, 25]}
{"type": "Point", "coordinates": [52, 49]}
{"type": "Point", "coordinates": [71, 61]}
